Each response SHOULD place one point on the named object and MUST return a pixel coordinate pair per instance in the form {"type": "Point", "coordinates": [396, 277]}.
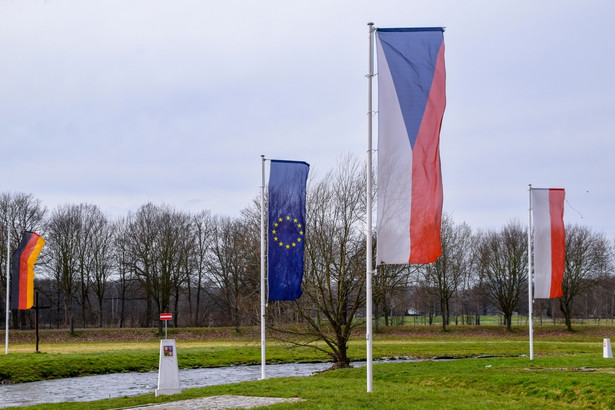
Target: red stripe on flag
{"type": "Point", "coordinates": [426, 205]}
{"type": "Point", "coordinates": [558, 241]}
{"type": "Point", "coordinates": [24, 289]}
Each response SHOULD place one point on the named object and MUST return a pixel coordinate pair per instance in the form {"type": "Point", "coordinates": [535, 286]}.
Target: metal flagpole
{"type": "Point", "coordinates": [263, 373]}
{"type": "Point", "coordinates": [368, 228]}
{"type": "Point", "coordinates": [529, 271]}
{"type": "Point", "coordinates": [8, 285]}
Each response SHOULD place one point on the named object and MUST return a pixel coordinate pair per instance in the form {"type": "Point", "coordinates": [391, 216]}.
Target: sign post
{"type": "Point", "coordinates": [168, 370]}
{"type": "Point", "coordinates": [165, 317]}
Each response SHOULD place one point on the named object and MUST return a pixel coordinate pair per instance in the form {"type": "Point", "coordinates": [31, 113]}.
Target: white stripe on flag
{"type": "Point", "coordinates": [542, 243]}
{"type": "Point", "coordinates": [394, 172]}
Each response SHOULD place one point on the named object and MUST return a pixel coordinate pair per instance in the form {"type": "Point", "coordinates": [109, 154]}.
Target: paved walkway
{"type": "Point", "coordinates": [217, 402]}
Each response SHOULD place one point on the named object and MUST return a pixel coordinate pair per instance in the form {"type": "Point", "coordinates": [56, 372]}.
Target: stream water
{"type": "Point", "coordinates": [89, 388]}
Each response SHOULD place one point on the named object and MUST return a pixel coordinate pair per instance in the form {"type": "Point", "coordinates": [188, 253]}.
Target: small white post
{"type": "Point", "coordinates": [607, 353]}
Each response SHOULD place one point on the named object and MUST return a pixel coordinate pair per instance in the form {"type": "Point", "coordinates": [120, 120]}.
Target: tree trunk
{"type": "Point", "coordinates": [198, 305]}
{"type": "Point", "coordinates": [176, 309]}
{"type": "Point", "coordinates": [508, 320]}
{"type": "Point", "coordinates": [340, 356]}
{"type": "Point", "coordinates": [100, 310]}
{"type": "Point", "coordinates": [376, 317]}
{"type": "Point", "coordinates": [71, 319]}
{"type": "Point", "coordinates": [444, 314]}
{"type": "Point", "coordinates": [123, 309]}
{"type": "Point", "coordinates": [567, 314]}
{"type": "Point", "coordinates": [58, 310]}
{"type": "Point", "coordinates": [190, 308]}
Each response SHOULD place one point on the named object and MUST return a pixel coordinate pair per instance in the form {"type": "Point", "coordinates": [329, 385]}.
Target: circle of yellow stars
{"type": "Point", "coordinates": [279, 241]}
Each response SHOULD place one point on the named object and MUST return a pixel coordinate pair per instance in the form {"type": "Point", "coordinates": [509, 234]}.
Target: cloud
{"type": "Point", "coordinates": [118, 103]}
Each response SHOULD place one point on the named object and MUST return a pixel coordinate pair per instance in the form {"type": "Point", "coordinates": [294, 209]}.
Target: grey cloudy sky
{"type": "Point", "coordinates": [118, 103]}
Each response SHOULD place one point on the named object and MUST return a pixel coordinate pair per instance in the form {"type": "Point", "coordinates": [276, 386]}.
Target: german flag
{"type": "Point", "coordinates": [22, 270]}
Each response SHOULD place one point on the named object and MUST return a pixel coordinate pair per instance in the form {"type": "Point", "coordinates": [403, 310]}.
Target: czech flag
{"type": "Point", "coordinates": [549, 242]}
{"type": "Point", "coordinates": [22, 270]}
{"type": "Point", "coordinates": [411, 101]}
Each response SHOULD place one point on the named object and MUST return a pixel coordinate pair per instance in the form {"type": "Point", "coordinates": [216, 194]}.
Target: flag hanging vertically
{"type": "Point", "coordinates": [22, 270]}
{"type": "Point", "coordinates": [286, 232]}
{"type": "Point", "coordinates": [549, 242]}
{"type": "Point", "coordinates": [411, 101]}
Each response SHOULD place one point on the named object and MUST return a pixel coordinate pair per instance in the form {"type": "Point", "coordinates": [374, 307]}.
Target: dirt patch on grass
{"type": "Point", "coordinates": [129, 335]}
{"type": "Point", "coordinates": [494, 331]}
{"type": "Point", "coordinates": [98, 335]}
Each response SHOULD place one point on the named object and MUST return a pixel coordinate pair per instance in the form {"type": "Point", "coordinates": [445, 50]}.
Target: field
{"type": "Point", "coordinates": [568, 370]}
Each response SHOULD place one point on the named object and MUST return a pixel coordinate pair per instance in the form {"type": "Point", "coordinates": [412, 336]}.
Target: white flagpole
{"type": "Point", "coordinates": [263, 372]}
{"type": "Point", "coordinates": [368, 228]}
{"type": "Point", "coordinates": [529, 272]}
{"type": "Point", "coordinates": [8, 285]}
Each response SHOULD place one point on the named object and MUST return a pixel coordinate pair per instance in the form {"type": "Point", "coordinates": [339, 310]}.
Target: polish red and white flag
{"type": "Point", "coordinates": [549, 242]}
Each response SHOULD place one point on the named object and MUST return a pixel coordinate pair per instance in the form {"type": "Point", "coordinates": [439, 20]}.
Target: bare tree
{"type": "Point", "coordinates": [157, 241]}
{"type": "Point", "coordinates": [126, 276]}
{"type": "Point", "coordinates": [502, 260]}
{"type": "Point", "coordinates": [251, 218]}
{"type": "Point", "coordinates": [448, 271]}
{"type": "Point", "coordinates": [19, 212]}
{"type": "Point", "coordinates": [101, 261]}
{"type": "Point", "coordinates": [588, 260]}
{"type": "Point", "coordinates": [64, 240]}
{"type": "Point", "coordinates": [91, 219]}
{"type": "Point", "coordinates": [227, 268]}
{"type": "Point", "coordinates": [334, 275]}
{"type": "Point", "coordinates": [472, 287]}
{"type": "Point", "coordinates": [202, 226]}
{"type": "Point", "coordinates": [388, 281]}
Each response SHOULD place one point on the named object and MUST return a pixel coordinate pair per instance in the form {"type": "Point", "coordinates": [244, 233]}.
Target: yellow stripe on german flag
{"type": "Point", "coordinates": [22, 270]}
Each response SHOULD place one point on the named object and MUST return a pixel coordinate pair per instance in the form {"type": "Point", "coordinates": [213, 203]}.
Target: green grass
{"type": "Point", "coordinates": [89, 357]}
{"type": "Point", "coordinates": [503, 377]}
{"type": "Point", "coordinates": [465, 384]}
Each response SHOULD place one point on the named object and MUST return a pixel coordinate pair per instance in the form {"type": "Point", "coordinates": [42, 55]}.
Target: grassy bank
{"type": "Point", "coordinates": [568, 370]}
{"type": "Point", "coordinates": [579, 381]}
{"type": "Point", "coordinates": [113, 351]}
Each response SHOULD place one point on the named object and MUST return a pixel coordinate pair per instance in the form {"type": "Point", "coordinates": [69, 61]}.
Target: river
{"type": "Point", "coordinates": [90, 388]}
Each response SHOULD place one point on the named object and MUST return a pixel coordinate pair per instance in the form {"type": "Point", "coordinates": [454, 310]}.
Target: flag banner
{"type": "Point", "coordinates": [549, 242]}
{"type": "Point", "coordinates": [22, 270]}
{"type": "Point", "coordinates": [411, 101]}
{"type": "Point", "coordinates": [287, 182]}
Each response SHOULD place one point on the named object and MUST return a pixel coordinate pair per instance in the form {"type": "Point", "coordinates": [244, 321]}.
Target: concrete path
{"type": "Point", "coordinates": [217, 402]}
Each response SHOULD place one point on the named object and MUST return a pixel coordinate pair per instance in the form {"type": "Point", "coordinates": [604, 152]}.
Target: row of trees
{"type": "Point", "coordinates": [205, 268]}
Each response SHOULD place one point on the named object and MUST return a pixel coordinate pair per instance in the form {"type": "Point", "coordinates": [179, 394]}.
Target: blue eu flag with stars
{"type": "Point", "coordinates": [286, 230]}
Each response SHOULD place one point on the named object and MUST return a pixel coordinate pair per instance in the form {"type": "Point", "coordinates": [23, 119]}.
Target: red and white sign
{"type": "Point", "coordinates": [166, 316]}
